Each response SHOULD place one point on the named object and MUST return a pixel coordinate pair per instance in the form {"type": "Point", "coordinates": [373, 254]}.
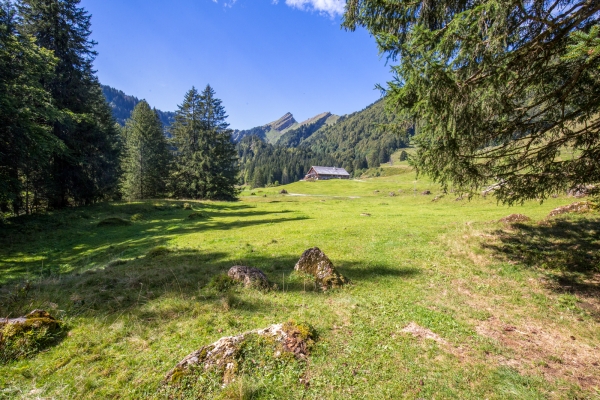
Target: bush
{"type": "Point", "coordinates": [113, 221]}
{"type": "Point", "coordinates": [187, 206]}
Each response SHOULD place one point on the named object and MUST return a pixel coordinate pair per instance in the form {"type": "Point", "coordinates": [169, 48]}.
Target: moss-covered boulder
{"type": "Point", "coordinates": [24, 336]}
{"type": "Point", "coordinates": [281, 350]}
{"type": "Point", "coordinates": [251, 277]}
{"type": "Point", "coordinates": [314, 262]}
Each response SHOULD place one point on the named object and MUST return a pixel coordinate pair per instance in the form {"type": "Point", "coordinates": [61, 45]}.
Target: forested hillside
{"type": "Point", "coordinates": [357, 141]}
{"type": "Point", "coordinates": [122, 105]}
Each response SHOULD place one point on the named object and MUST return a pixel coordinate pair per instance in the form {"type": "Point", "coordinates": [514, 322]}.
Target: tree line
{"type": "Point", "coordinates": [59, 142]}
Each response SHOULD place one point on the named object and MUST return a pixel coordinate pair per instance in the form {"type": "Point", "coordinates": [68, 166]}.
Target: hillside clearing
{"type": "Point", "coordinates": [444, 301]}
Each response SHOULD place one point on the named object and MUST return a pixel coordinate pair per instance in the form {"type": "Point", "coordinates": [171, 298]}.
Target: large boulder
{"type": "Point", "coordinates": [314, 262]}
{"type": "Point", "coordinates": [24, 336]}
{"type": "Point", "coordinates": [249, 276]}
{"type": "Point", "coordinates": [227, 356]}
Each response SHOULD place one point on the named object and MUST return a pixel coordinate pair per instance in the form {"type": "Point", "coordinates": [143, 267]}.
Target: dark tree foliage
{"type": "Point", "coordinates": [88, 169]}
{"type": "Point", "coordinates": [26, 115]}
{"type": "Point", "coordinates": [146, 156]}
{"type": "Point", "coordinates": [205, 164]}
{"type": "Point", "coordinates": [503, 93]}
{"type": "Point", "coordinates": [122, 106]}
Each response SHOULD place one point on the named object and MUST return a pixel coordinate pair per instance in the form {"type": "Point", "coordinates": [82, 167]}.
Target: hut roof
{"type": "Point", "coordinates": [330, 171]}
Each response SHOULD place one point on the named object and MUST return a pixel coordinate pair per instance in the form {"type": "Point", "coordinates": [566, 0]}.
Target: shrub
{"type": "Point", "coordinates": [187, 206]}
{"type": "Point", "coordinates": [113, 221]}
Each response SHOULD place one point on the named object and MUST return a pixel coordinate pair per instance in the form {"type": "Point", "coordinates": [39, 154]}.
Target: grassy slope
{"type": "Point", "coordinates": [443, 265]}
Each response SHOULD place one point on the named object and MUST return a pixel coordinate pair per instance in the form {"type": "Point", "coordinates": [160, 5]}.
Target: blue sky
{"type": "Point", "coordinates": [263, 57]}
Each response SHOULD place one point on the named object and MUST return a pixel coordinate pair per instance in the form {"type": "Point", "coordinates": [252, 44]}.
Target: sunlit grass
{"type": "Point", "coordinates": [443, 265]}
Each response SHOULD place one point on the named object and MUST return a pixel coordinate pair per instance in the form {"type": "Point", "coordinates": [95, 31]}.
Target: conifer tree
{"type": "Point", "coordinates": [26, 115]}
{"type": "Point", "coordinates": [88, 170]}
{"type": "Point", "coordinates": [206, 160]}
{"type": "Point", "coordinates": [501, 91]}
{"type": "Point", "coordinates": [145, 161]}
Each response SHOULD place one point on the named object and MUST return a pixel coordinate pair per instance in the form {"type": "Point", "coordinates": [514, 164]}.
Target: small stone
{"type": "Point", "coordinates": [426, 192]}
{"type": "Point", "coordinates": [512, 218]}
{"type": "Point", "coordinates": [283, 191]}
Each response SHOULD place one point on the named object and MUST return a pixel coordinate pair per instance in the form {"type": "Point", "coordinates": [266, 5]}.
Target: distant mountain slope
{"type": "Point", "coordinates": [122, 105]}
{"type": "Point", "coordinates": [358, 140]}
{"type": "Point", "coordinates": [294, 136]}
{"type": "Point", "coordinates": [274, 131]}
{"type": "Point", "coordinates": [355, 142]}
{"type": "Point", "coordinates": [269, 132]}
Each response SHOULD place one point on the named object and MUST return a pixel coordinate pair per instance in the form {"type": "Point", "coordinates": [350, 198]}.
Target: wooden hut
{"type": "Point", "coordinates": [325, 173]}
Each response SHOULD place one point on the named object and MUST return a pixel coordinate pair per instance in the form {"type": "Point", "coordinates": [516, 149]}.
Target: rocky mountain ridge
{"type": "Point", "coordinates": [287, 127]}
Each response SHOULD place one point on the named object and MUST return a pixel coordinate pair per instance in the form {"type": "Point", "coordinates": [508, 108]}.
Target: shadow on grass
{"type": "Point", "coordinates": [70, 241]}
{"type": "Point", "coordinates": [179, 273]}
{"type": "Point", "coordinates": [568, 249]}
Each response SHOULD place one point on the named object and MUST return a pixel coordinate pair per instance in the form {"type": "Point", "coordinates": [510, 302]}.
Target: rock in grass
{"type": "Point", "coordinates": [579, 207]}
{"type": "Point", "coordinates": [23, 336]}
{"type": "Point", "coordinates": [232, 355]}
{"type": "Point", "coordinates": [314, 262]}
{"type": "Point", "coordinates": [426, 192]}
{"type": "Point", "coordinates": [113, 221]}
{"type": "Point", "coordinates": [283, 191]}
{"type": "Point", "coordinates": [249, 276]}
{"type": "Point", "coordinates": [513, 218]}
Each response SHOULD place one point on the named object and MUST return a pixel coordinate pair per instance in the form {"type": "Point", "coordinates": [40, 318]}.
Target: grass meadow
{"type": "Point", "coordinates": [503, 311]}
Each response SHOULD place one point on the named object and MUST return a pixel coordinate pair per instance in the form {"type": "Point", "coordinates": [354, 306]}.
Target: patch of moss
{"type": "Point", "coordinates": [158, 251]}
{"type": "Point", "coordinates": [113, 221]}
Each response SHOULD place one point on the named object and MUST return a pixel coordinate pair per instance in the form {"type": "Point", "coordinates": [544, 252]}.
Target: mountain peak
{"type": "Point", "coordinates": [282, 123]}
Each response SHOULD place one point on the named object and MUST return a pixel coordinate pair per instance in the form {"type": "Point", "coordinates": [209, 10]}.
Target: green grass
{"type": "Point", "coordinates": [135, 299]}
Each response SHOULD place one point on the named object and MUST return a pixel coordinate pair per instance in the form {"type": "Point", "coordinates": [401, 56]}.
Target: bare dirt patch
{"type": "Point", "coordinates": [545, 350]}
{"type": "Point", "coordinates": [423, 333]}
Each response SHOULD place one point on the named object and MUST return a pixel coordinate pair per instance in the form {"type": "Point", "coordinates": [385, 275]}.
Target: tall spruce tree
{"type": "Point", "coordinates": [26, 115]}
{"type": "Point", "coordinates": [88, 169]}
{"type": "Point", "coordinates": [502, 92]}
{"type": "Point", "coordinates": [145, 162]}
{"type": "Point", "coordinates": [206, 162]}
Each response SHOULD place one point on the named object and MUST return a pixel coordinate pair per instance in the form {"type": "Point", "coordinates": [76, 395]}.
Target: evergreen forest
{"type": "Point", "coordinates": [68, 141]}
